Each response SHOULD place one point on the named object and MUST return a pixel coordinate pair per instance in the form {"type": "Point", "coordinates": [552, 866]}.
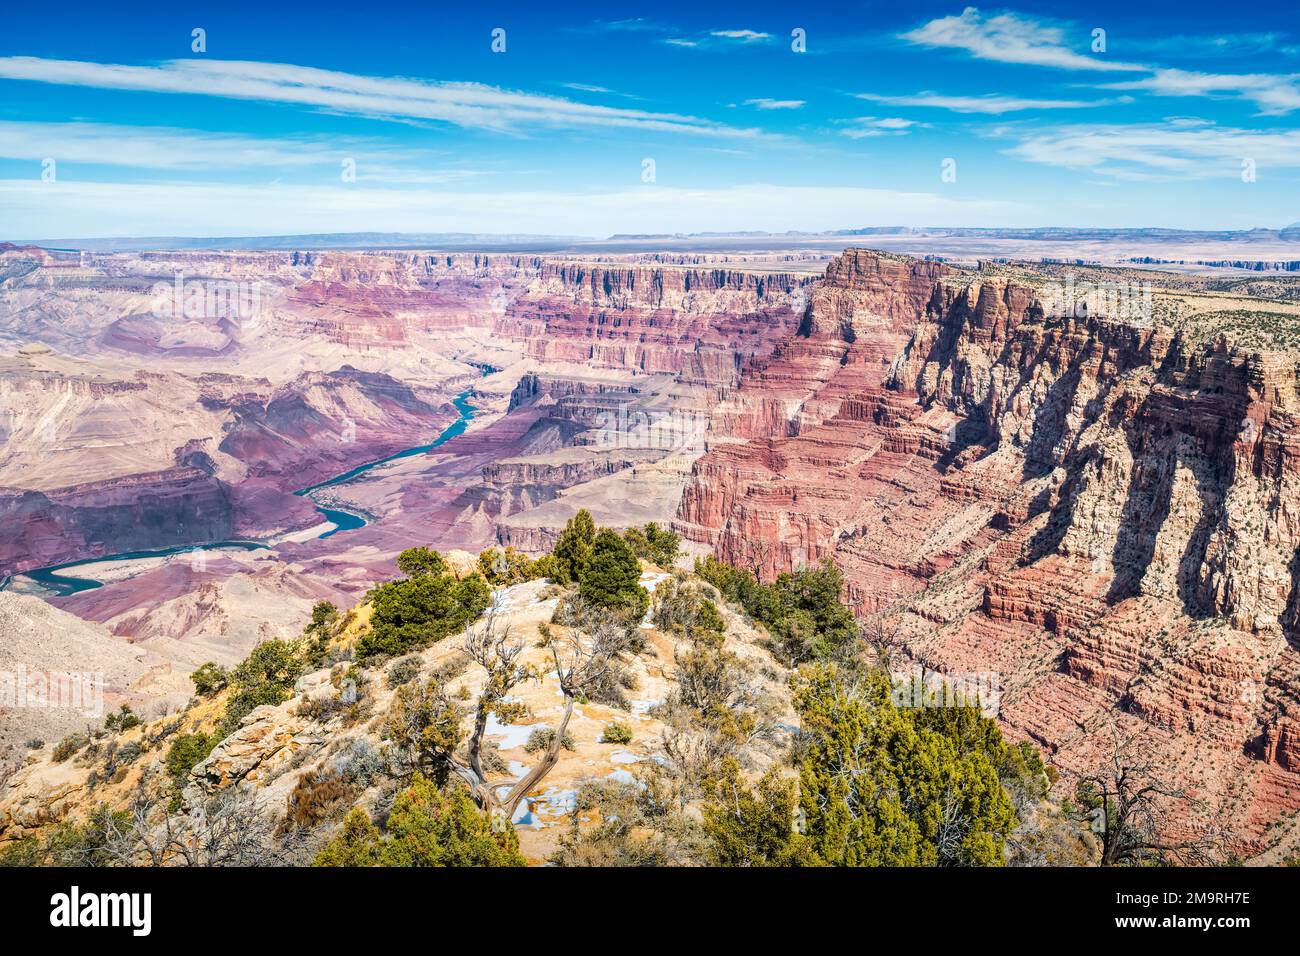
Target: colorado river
{"type": "Point", "coordinates": [52, 578]}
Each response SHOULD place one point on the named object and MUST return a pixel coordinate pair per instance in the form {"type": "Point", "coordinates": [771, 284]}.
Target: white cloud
{"type": "Point", "coordinates": [745, 36]}
{"type": "Point", "coordinates": [1010, 38]}
{"type": "Point", "coordinates": [763, 103]}
{"type": "Point", "coordinates": [1273, 94]}
{"type": "Point", "coordinates": [161, 147]}
{"type": "Point", "coordinates": [990, 103]}
{"type": "Point", "coordinates": [864, 127]}
{"type": "Point", "coordinates": [472, 105]}
{"type": "Point", "coordinates": [1177, 149]}
{"type": "Point", "coordinates": [80, 209]}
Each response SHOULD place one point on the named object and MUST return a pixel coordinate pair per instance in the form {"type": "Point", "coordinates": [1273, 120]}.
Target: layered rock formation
{"type": "Point", "coordinates": [1101, 511]}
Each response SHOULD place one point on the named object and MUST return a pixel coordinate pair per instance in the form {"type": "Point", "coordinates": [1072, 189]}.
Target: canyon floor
{"type": "Point", "coordinates": [1083, 480]}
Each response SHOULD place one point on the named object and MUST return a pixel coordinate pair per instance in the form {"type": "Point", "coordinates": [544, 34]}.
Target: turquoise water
{"type": "Point", "coordinates": [63, 585]}
{"type": "Point", "coordinates": [457, 427]}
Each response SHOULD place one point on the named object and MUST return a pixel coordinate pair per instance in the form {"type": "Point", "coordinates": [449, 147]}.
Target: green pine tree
{"type": "Point", "coordinates": [574, 547]}
{"type": "Point", "coordinates": [611, 574]}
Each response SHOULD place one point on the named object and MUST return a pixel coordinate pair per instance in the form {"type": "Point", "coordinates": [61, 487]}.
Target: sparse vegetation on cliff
{"type": "Point", "coordinates": [424, 607]}
{"type": "Point", "coordinates": [723, 779]}
{"type": "Point", "coordinates": [803, 610]}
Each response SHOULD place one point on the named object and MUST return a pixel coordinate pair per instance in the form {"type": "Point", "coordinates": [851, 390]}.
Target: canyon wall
{"type": "Point", "coordinates": [1102, 511]}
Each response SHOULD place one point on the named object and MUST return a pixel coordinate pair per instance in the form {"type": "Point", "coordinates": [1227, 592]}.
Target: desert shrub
{"type": "Point", "coordinates": [349, 698]}
{"type": "Point", "coordinates": [490, 755]}
{"type": "Point", "coordinates": [124, 719]}
{"type": "Point", "coordinates": [801, 610]}
{"type": "Point", "coordinates": [427, 826]}
{"type": "Point", "coordinates": [546, 567]}
{"type": "Point", "coordinates": [35, 743]}
{"type": "Point", "coordinates": [25, 851]}
{"type": "Point", "coordinates": [417, 611]}
{"type": "Point", "coordinates": [451, 667]}
{"type": "Point", "coordinates": [622, 834]}
{"type": "Point", "coordinates": [404, 670]}
{"type": "Point", "coordinates": [68, 746]}
{"type": "Point", "coordinates": [209, 679]}
{"type": "Point", "coordinates": [616, 733]}
{"type": "Point", "coordinates": [655, 544]}
{"type": "Point", "coordinates": [127, 753]}
{"type": "Point", "coordinates": [360, 765]}
{"type": "Point", "coordinates": [318, 796]}
{"type": "Point", "coordinates": [422, 562]}
{"type": "Point", "coordinates": [186, 752]}
{"type": "Point", "coordinates": [542, 737]}
{"type": "Point", "coordinates": [502, 568]}
{"type": "Point", "coordinates": [89, 843]}
{"type": "Point", "coordinates": [681, 608]}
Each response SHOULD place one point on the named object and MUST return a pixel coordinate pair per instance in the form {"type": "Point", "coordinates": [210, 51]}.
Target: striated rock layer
{"type": "Point", "coordinates": [1102, 512]}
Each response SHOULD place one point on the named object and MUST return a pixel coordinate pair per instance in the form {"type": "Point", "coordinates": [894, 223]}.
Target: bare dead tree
{"type": "Point", "coordinates": [585, 650]}
{"type": "Point", "coordinates": [229, 829]}
{"type": "Point", "coordinates": [140, 840]}
{"type": "Point", "coordinates": [882, 639]}
{"type": "Point", "coordinates": [1139, 811]}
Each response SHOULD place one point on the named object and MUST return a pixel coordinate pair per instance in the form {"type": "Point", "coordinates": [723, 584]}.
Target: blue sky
{"type": "Point", "coordinates": [553, 135]}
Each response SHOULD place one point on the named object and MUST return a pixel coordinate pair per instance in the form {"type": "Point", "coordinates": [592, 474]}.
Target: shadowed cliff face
{"type": "Point", "coordinates": [180, 506]}
{"type": "Point", "coordinates": [1102, 511]}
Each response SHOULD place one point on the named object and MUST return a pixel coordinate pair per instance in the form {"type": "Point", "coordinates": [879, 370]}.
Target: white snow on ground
{"type": "Point", "coordinates": [520, 597]}
{"type": "Point", "coordinates": [624, 756]}
{"type": "Point", "coordinates": [512, 735]}
{"type": "Point", "coordinates": [650, 579]}
{"type": "Point", "coordinates": [641, 708]}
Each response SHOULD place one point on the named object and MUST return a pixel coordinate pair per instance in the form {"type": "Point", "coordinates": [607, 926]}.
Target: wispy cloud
{"type": "Point", "coordinates": [164, 148]}
{"type": "Point", "coordinates": [718, 39]}
{"type": "Point", "coordinates": [1011, 38]}
{"type": "Point", "coordinates": [1175, 149]}
{"type": "Point", "coordinates": [1014, 38]}
{"type": "Point", "coordinates": [471, 105]}
{"type": "Point", "coordinates": [1274, 94]}
{"type": "Point", "coordinates": [629, 25]}
{"type": "Point", "coordinates": [1207, 45]}
{"type": "Point", "coordinates": [992, 103]}
{"type": "Point", "coordinates": [744, 36]}
{"type": "Point", "coordinates": [763, 103]}
{"type": "Point", "coordinates": [864, 127]}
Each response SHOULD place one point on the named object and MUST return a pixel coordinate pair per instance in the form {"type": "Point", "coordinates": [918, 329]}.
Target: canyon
{"type": "Point", "coordinates": [1101, 509]}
